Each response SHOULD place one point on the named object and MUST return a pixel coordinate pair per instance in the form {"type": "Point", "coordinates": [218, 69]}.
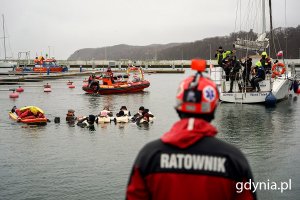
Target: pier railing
{"type": "Point", "coordinates": [124, 63]}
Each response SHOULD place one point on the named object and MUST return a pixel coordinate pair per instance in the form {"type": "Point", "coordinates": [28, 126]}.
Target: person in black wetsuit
{"type": "Point", "coordinates": [234, 74]}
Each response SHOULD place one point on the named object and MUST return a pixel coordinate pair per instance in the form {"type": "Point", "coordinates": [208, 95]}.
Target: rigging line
{"type": "Point", "coordinates": [278, 43]}
{"type": "Point", "coordinates": [251, 10]}
{"type": "Point", "coordinates": [255, 16]}
{"type": "Point", "coordinates": [285, 32]}
{"type": "Point", "coordinates": [248, 18]}
{"type": "Point", "coordinates": [240, 15]}
{"type": "Point", "coordinates": [237, 8]}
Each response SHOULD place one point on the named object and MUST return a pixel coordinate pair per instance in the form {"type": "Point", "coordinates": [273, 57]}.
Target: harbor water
{"type": "Point", "coordinates": [58, 161]}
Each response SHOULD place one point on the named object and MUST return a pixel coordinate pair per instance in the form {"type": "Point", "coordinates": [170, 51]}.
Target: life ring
{"type": "Point", "coordinates": [278, 73]}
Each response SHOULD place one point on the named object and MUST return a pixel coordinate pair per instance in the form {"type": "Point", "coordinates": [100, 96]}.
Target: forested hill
{"type": "Point", "coordinates": [284, 37]}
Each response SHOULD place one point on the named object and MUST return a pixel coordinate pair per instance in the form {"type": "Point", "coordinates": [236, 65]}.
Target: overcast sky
{"type": "Point", "coordinates": [65, 26]}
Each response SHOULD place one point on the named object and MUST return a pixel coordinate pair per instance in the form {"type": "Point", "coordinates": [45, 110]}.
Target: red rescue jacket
{"type": "Point", "coordinates": [188, 162]}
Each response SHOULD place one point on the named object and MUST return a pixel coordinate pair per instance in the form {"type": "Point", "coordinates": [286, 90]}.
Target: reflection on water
{"type": "Point", "coordinates": [267, 136]}
{"type": "Point", "coordinates": [63, 160]}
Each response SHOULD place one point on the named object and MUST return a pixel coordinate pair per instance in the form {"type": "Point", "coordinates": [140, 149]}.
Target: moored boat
{"type": "Point", "coordinates": [118, 84]}
{"type": "Point", "coordinates": [42, 65]}
{"type": "Point", "coordinates": [271, 84]}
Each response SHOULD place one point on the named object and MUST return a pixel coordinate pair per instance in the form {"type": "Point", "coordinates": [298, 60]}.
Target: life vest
{"type": "Point", "coordinates": [104, 113]}
{"type": "Point", "coordinates": [126, 112]}
{"type": "Point", "coordinates": [223, 55]}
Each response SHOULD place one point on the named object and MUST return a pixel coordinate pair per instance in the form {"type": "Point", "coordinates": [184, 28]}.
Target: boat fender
{"type": "Point", "coordinates": [270, 100]}
{"type": "Point", "coordinates": [56, 120]}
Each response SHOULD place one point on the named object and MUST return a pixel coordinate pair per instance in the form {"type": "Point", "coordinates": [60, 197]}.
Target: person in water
{"type": "Point", "coordinates": [139, 114]}
{"type": "Point", "coordinates": [105, 112]}
{"type": "Point", "coordinates": [87, 122]}
{"type": "Point", "coordinates": [70, 116]}
{"type": "Point", "coordinates": [145, 116]}
{"type": "Point", "coordinates": [189, 162]}
{"type": "Point", "coordinates": [123, 112]}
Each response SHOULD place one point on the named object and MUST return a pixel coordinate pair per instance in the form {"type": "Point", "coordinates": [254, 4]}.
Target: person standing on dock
{"type": "Point", "coordinates": [188, 162]}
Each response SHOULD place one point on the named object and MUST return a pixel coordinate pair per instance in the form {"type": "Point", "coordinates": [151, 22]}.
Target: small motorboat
{"type": "Point", "coordinates": [42, 65]}
{"type": "Point", "coordinates": [118, 84]}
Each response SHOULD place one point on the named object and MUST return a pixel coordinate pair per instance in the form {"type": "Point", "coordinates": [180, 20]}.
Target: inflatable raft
{"type": "Point", "coordinates": [36, 121]}
{"type": "Point", "coordinates": [29, 120]}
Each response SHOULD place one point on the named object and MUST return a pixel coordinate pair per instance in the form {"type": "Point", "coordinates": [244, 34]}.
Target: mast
{"type": "Point", "coordinates": [4, 38]}
{"type": "Point", "coordinates": [263, 16]}
{"type": "Point", "coordinates": [271, 25]}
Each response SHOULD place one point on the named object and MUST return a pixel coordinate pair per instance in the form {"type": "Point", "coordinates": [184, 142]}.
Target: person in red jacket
{"type": "Point", "coordinates": [189, 162]}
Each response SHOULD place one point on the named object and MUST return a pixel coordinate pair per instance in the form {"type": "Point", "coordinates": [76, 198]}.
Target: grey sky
{"type": "Point", "coordinates": [69, 25]}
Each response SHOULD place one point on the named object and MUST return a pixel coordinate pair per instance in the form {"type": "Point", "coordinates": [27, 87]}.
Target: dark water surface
{"type": "Point", "coordinates": [62, 162]}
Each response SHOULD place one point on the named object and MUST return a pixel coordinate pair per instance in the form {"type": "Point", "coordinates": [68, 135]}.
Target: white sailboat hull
{"type": "Point", "coordinates": [253, 97]}
{"type": "Point", "coordinates": [5, 64]}
{"type": "Point", "coordinates": [280, 90]}
{"type": "Point", "coordinates": [279, 86]}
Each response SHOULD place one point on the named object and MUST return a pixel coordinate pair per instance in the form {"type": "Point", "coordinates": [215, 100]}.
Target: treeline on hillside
{"type": "Point", "coordinates": [285, 39]}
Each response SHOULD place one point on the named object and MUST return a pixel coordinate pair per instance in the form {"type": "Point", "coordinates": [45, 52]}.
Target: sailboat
{"type": "Point", "coordinates": [5, 63]}
{"type": "Point", "coordinates": [276, 85]}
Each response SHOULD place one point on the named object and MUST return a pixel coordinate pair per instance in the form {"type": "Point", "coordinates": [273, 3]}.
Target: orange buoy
{"type": "Point", "coordinates": [20, 89]}
{"type": "Point", "coordinates": [71, 86]}
{"type": "Point", "coordinates": [14, 95]}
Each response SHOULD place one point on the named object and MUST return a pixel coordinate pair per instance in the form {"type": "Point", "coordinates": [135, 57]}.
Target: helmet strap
{"type": "Point", "coordinates": [194, 83]}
